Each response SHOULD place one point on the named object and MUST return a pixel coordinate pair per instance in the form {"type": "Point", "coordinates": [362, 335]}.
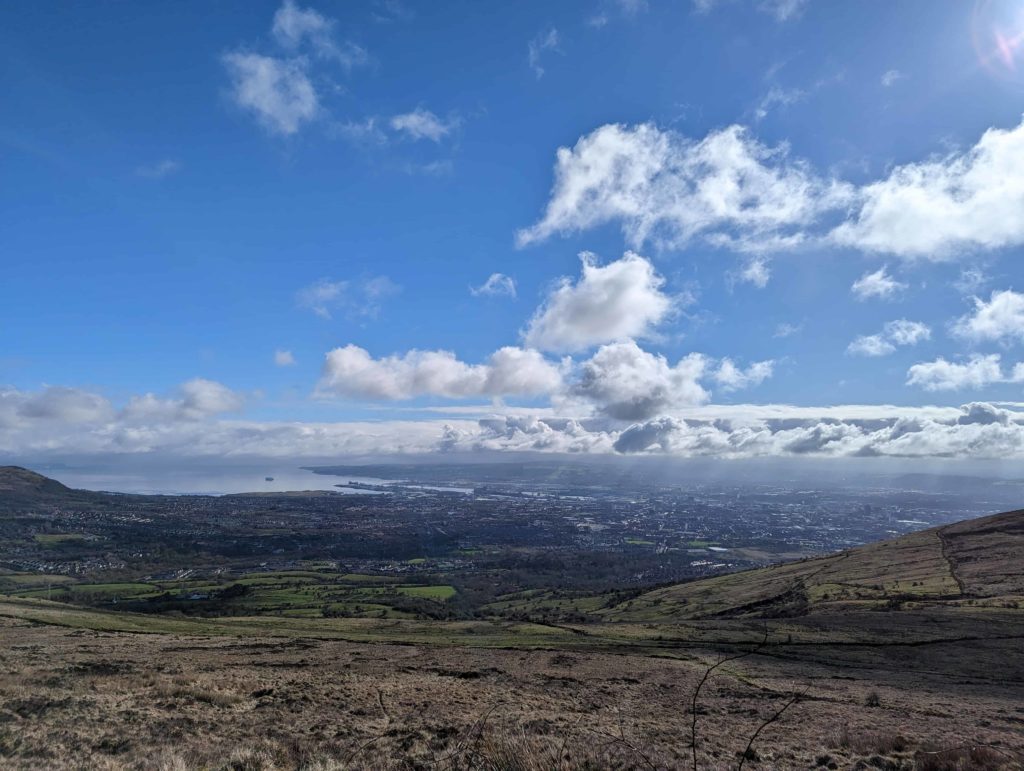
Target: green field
{"type": "Point", "coordinates": [296, 593]}
{"type": "Point", "coordinates": [56, 539]}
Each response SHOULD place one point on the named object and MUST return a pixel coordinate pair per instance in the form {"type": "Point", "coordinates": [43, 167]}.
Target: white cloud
{"type": "Point", "coordinates": [422, 124]}
{"type": "Point", "coordinates": [547, 40]}
{"type": "Point", "coordinates": [756, 271]}
{"type": "Point", "coordinates": [786, 329]}
{"type": "Point", "coordinates": [934, 209]}
{"type": "Point", "coordinates": [497, 284]}
{"type": "Point", "coordinates": [620, 300]}
{"type": "Point", "coordinates": [352, 372]}
{"type": "Point", "coordinates": [278, 91]}
{"type": "Point", "coordinates": [661, 186]}
{"type": "Point", "coordinates": [284, 358]}
{"type": "Point", "coordinates": [782, 10]}
{"type": "Point", "coordinates": [158, 170]}
{"type": "Point", "coordinates": [735, 192]}
{"type": "Point", "coordinates": [387, 11]}
{"type": "Point", "coordinates": [321, 295]}
{"type": "Point", "coordinates": [878, 284]}
{"type": "Point", "coordinates": [196, 399]}
{"type": "Point", "coordinates": [903, 332]}
{"type": "Point", "coordinates": [627, 383]}
{"type": "Point", "coordinates": [891, 77]}
{"type": "Point", "coordinates": [1001, 318]}
{"type": "Point", "coordinates": [71, 423]}
{"type": "Point", "coordinates": [732, 378]}
{"type": "Point", "coordinates": [58, 404]}
{"type": "Point", "coordinates": [970, 280]}
{"type": "Point", "coordinates": [359, 298]}
{"type": "Point", "coordinates": [778, 96]}
{"type": "Point", "coordinates": [366, 132]}
{"type": "Point", "coordinates": [870, 345]}
{"type": "Point", "coordinates": [942, 375]}
{"type": "Point", "coordinates": [895, 333]}
{"type": "Point", "coordinates": [294, 26]}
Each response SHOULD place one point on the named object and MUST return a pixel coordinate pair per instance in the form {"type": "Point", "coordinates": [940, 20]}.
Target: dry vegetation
{"type": "Point", "coordinates": [94, 699]}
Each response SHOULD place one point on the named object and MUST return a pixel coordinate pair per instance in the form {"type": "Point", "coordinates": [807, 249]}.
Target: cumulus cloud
{"type": "Point", "coordinates": [186, 425]}
{"type": "Point", "coordinates": [421, 124]}
{"type": "Point", "coordinates": [934, 209]}
{"type": "Point", "coordinates": [979, 430]}
{"type": "Point", "coordinates": [627, 383]}
{"type": "Point", "coordinates": [755, 271]}
{"type": "Point", "coordinates": [617, 301]}
{"type": "Point", "coordinates": [877, 284]}
{"type": "Point", "coordinates": [547, 40]}
{"type": "Point", "coordinates": [733, 378]}
{"type": "Point", "coordinates": [903, 332]}
{"type": "Point", "coordinates": [664, 187]}
{"type": "Point", "coordinates": [984, 414]}
{"type": "Point", "coordinates": [1001, 318]}
{"type": "Point", "coordinates": [736, 192]}
{"type": "Point", "coordinates": [64, 422]}
{"type": "Point", "coordinates": [976, 372]}
{"type": "Point", "coordinates": [870, 345]}
{"type": "Point", "coordinates": [196, 399]}
{"type": "Point", "coordinates": [894, 333]}
{"type": "Point", "coordinates": [277, 91]}
{"type": "Point", "coordinates": [351, 372]}
{"type": "Point", "coordinates": [53, 403]}
{"type": "Point", "coordinates": [497, 284]}
{"type": "Point", "coordinates": [526, 434]}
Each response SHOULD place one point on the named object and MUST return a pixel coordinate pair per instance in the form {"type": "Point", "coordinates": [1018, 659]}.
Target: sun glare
{"type": "Point", "coordinates": [998, 35]}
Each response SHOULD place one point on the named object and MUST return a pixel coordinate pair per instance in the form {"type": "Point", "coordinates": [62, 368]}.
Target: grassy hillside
{"type": "Point", "coordinates": [976, 563]}
{"type": "Point", "coordinates": [20, 487]}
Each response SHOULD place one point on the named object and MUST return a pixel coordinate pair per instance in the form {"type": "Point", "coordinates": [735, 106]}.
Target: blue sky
{"type": "Point", "coordinates": [801, 225]}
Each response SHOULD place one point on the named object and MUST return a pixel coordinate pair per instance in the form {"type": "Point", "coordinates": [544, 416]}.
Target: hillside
{"type": "Point", "coordinates": [21, 487]}
{"type": "Point", "coordinates": [976, 563]}
{"type": "Point", "coordinates": [15, 480]}
{"type": "Point", "coordinates": [903, 654]}
{"type": "Point", "coordinates": [868, 680]}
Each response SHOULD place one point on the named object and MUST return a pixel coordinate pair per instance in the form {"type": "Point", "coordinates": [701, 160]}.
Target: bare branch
{"type": "Point", "coordinates": [707, 674]}
{"type": "Point", "coordinates": [775, 716]}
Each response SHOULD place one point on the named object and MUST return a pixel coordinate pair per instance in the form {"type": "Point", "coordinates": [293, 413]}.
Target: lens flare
{"type": "Point", "coordinates": [997, 30]}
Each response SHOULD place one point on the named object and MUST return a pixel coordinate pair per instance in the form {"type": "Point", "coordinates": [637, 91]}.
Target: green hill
{"type": "Point", "coordinates": [975, 563]}
{"type": "Point", "coordinates": [15, 480]}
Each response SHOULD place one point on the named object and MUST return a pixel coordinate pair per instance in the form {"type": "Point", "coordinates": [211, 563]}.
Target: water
{"type": "Point", "coordinates": [206, 481]}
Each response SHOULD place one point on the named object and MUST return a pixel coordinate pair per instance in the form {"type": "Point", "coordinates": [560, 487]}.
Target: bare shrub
{"type": "Point", "coordinates": [250, 759]}
{"type": "Point", "coordinates": [210, 696]}
{"type": "Point", "coordinates": [167, 760]}
{"type": "Point", "coordinates": [867, 742]}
